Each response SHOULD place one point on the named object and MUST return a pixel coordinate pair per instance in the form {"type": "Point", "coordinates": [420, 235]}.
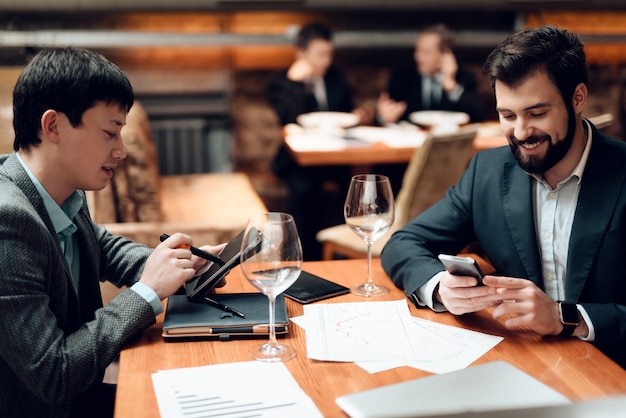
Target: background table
{"type": "Point", "coordinates": [489, 136]}
{"type": "Point", "coordinates": [572, 367]}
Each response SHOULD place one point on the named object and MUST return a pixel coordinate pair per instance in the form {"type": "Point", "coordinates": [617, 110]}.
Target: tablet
{"type": "Point", "coordinates": [311, 288]}
{"type": "Point", "coordinates": [198, 287]}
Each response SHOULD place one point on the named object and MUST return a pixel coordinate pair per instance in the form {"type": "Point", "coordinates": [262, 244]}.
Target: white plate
{"type": "Point", "coordinates": [317, 120]}
{"type": "Point", "coordinates": [438, 117]}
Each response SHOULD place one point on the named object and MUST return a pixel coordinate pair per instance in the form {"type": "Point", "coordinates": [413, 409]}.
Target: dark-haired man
{"type": "Point", "coordinates": [434, 82]}
{"type": "Point", "coordinates": [550, 212]}
{"type": "Point", "coordinates": [311, 84]}
{"type": "Point", "coordinates": [69, 107]}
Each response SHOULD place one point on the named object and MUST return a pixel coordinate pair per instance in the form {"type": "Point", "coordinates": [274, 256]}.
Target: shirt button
{"type": "Point", "coordinates": [551, 195]}
{"type": "Point", "coordinates": [550, 276]}
{"type": "Point", "coordinates": [547, 235]}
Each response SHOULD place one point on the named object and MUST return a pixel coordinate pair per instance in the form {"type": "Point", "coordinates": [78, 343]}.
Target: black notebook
{"type": "Point", "coordinates": [186, 320]}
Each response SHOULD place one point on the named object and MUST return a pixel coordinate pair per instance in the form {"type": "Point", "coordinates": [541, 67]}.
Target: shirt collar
{"type": "Point", "coordinates": [61, 216]}
{"type": "Point", "coordinates": [582, 163]}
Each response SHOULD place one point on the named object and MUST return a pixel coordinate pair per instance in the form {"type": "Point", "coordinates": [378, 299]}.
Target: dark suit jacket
{"type": "Point", "coordinates": [406, 86]}
{"type": "Point", "coordinates": [55, 345]}
{"type": "Point", "coordinates": [290, 99]}
{"type": "Point", "coordinates": [492, 204]}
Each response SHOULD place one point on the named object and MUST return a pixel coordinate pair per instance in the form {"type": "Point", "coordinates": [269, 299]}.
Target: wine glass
{"type": "Point", "coordinates": [369, 212]}
{"type": "Point", "coordinates": [271, 259]}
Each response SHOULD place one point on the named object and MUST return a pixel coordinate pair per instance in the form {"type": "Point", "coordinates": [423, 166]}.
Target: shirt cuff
{"type": "Point", "coordinates": [150, 296]}
{"type": "Point", "coordinates": [456, 93]}
{"type": "Point", "coordinates": [424, 295]}
{"type": "Point", "coordinates": [592, 332]}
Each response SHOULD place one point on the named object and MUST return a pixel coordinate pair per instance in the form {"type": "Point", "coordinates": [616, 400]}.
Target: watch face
{"type": "Point", "coordinates": [568, 313]}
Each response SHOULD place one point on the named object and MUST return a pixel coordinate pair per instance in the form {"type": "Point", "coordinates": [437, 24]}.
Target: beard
{"type": "Point", "coordinates": [537, 164]}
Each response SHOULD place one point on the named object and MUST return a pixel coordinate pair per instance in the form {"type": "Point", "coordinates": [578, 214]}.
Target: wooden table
{"type": "Point", "coordinates": [489, 136]}
{"type": "Point", "coordinates": [572, 367]}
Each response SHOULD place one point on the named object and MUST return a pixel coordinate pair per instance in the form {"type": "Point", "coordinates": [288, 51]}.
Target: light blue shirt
{"type": "Point", "coordinates": [61, 217]}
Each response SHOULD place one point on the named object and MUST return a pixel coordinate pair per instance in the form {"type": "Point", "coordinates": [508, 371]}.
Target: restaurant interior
{"type": "Point", "coordinates": [200, 69]}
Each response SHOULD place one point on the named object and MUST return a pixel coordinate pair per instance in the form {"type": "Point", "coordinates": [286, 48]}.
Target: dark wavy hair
{"type": "Point", "coordinates": [554, 50]}
{"type": "Point", "coordinates": [70, 81]}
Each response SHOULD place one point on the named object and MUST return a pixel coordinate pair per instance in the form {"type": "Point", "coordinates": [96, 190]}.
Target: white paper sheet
{"type": "Point", "coordinates": [360, 331]}
{"type": "Point", "coordinates": [445, 348]}
{"type": "Point", "coordinates": [235, 390]}
{"type": "Point", "coordinates": [337, 332]}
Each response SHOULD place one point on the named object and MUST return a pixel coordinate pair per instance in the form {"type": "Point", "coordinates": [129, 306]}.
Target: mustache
{"type": "Point", "coordinates": [534, 139]}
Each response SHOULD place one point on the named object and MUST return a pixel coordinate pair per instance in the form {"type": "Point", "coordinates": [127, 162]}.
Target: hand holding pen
{"type": "Point", "coordinates": [197, 251]}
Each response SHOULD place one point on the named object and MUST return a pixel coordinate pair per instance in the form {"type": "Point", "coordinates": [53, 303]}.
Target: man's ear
{"type": "Point", "coordinates": [579, 99]}
{"type": "Point", "coordinates": [50, 125]}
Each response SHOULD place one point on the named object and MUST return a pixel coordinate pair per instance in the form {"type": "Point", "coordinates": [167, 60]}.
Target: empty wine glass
{"type": "Point", "coordinates": [271, 259]}
{"type": "Point", "coordinates": [369, 212]}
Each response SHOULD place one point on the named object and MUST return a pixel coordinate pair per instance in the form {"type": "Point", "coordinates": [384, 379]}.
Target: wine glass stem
{"type": "Point", "coordinates": [370, 280]}
{"type": "Point", "coordinates": [272, 330]}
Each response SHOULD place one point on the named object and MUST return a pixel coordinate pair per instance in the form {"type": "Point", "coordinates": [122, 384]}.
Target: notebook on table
{"type": "Point", "coordinates": [486, 387]}
{"type": "Point", "coordinates": [186, 320]}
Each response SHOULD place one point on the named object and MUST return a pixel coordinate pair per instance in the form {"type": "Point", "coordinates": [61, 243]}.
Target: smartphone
{"type": "Point", "coordinates": [311, 288]}
{"type": "Point", "coordinates": [462, 266]}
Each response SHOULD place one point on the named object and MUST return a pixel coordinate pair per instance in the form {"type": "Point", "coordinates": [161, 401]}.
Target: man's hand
{"type": "Point", "coordinates": [301, 70]}
{"type": "Point", "coordinates": [449, 68]}
{"type": "Point", "coordinates": [389, 111]}
{"type": "Point", "coordinates": [460, 294]}
{"type": "Point", "coordinates": [524, 305]}
{"type": "Point", "coordinates": [169, 266]}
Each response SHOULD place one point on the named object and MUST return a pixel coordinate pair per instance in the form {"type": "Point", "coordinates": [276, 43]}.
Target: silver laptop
{"type": "Point", "coordinates": [486, 387]}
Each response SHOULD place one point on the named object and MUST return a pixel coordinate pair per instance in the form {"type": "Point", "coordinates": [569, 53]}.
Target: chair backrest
{"type": "Point", "coordinates": [434, 167]}
{"type": "Point", "coordinates": [602, 122]}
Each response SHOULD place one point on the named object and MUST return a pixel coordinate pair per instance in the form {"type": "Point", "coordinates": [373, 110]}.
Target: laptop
{"type": "Point", "coordinates": [487, 387]}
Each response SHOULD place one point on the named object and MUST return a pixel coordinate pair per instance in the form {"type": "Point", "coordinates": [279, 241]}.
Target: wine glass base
{"type": "Point", "coordinates": [272, 352]}
{"type": "Point", "coordinates": [366, 289]}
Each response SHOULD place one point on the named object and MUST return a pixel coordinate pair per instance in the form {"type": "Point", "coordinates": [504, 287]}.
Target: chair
{"type": "Point", "coordinates": [602, 122]}
{"type": "Point", "coordinates": [435, 166]}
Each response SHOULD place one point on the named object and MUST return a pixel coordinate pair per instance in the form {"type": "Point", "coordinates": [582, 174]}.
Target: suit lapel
{"type": "Point", "coordinates": [519, 217]}
{"type": "Point", "coordinates": [22, 180]}
{"type": "Point", "coordinates": [596, 203]}
{"type": "Point", "coordinates": [90, 296]}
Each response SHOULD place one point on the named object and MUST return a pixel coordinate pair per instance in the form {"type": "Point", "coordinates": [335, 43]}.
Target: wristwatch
{"type": "Point", "coordinates": [568, 314]}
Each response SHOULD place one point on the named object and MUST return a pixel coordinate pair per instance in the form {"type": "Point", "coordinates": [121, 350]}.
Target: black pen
{"type": "Point", "coordinates": [199, 252]}
{"type": "Point", "coordinates": [223, 307]}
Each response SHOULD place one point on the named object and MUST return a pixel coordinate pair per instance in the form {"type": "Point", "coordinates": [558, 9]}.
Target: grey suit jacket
{"type": "Point", "coordinates": [54, 346]}
{"type": "Point", "coordinates": [492, 204]}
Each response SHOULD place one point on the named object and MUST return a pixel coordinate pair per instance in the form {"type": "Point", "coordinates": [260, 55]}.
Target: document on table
{"type": "Point", "coordinates": [383, 335]}
{"type": "Point", "coordinates": [235, 390]}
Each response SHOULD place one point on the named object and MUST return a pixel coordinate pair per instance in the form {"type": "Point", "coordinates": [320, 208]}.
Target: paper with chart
{"type": "Point", "coordinates": [360, 331]}
{"type": "Point", "coordinates": [463, 348]}
{"type": "Point", "coordinates": [233, 390]}
{"type": "Point", "coordinates": [383, 335]}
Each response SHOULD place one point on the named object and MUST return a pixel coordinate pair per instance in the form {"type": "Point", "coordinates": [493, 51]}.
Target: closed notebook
{"type": "Point", "coordinates": [186, 320]}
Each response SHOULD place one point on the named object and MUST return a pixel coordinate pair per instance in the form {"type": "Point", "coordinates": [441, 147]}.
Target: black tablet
{"type": "Point", "coordinates": [198, 287]}
{"type": "Point", "coordinates": [311, 288]}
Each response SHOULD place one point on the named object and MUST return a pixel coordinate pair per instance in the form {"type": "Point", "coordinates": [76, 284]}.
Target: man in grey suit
{"type": "Point", "coordinates": [69, 108]}
{"type": "Point", "coordinates": [550, 212]}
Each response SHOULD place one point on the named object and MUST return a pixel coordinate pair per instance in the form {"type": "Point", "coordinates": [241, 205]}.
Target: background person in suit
{"type": "Point", "coordinates": [312, 84]}
{"type": "Point", "coordinates": [57, 339]}
{"type": "Point", "coordinates": [550, 212]}
{"type": "Point", "coordinates": [433, 83]}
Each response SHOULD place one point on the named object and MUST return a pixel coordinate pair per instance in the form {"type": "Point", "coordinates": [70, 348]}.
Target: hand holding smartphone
{"type": "Point", "coordinates": [462, 266]}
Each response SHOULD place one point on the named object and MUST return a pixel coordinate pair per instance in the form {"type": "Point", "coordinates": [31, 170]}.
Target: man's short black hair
{"type": "Point", "coordinates": [70, 81]}
{"type": "Point", "coordinates": [311, 32]}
